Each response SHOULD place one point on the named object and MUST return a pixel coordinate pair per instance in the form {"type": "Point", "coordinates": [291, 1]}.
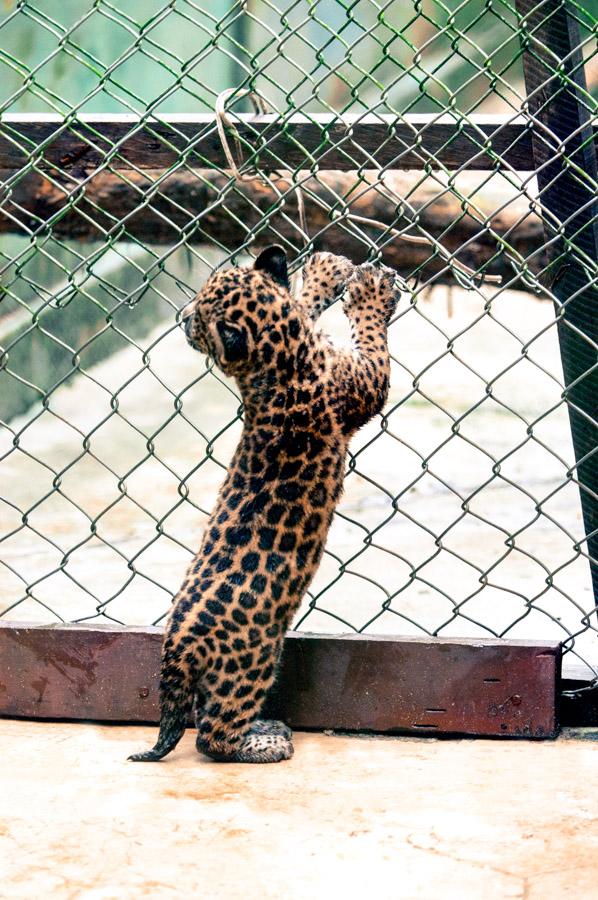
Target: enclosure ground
{"type": "Point", "coordinates": [347, 816]}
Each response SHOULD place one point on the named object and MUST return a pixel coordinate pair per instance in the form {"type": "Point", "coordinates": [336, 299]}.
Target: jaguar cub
{"type": "Point", "coordinates": [303, 400]}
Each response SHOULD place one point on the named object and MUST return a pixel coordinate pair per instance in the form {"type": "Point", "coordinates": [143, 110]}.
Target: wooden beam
{"type": "Point", "coordinates": [295, 142]}
{"type": "Point", "coordinates": [362, 682]}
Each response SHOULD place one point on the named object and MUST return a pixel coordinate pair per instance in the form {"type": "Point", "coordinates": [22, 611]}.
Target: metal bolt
{"type": "Point", "coordinates": [516, 700]}
{"type": "Point", "coordinates": [143, 693]}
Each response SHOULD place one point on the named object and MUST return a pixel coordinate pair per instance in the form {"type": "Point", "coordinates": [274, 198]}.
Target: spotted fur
{"type": "Point", "coordinates": [303, 400]}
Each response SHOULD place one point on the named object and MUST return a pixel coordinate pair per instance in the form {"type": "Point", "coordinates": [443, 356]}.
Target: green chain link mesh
{"type": "Point", "coordinates": [461, 514]}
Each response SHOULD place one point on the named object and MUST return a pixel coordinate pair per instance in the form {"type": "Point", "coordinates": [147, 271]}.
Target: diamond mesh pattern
{"type": "Point", "coordinates": [462, 510]}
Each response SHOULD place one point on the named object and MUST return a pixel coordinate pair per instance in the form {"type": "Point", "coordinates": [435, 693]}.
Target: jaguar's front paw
{"type": "Point", "coordinates": [324, 278]}
{"type": "Point", "coordinates": [373, 288]}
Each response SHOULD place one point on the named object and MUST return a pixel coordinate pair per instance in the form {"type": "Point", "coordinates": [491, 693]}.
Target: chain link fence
{"type": "Point", "coordinates": [428, 135]}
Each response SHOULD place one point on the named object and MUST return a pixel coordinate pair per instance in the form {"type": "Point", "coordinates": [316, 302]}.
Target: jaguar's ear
{"type": "Point", "coordinates": [233, 340]}
{"type": "Point", "coordinates": [273, 260]}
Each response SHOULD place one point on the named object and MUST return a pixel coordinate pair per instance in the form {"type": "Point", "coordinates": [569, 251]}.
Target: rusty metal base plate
{"type": "Point", "coordinates": [356, 683]}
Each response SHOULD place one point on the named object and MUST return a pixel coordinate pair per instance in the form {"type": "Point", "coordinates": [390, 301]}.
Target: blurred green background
{"type": "Point", "coordinates": [176, 56]}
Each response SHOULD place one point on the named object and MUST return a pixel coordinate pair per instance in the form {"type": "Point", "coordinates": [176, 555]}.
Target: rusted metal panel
{"type": "Point", "coordinates": [423, 686]}
{"type": "Point", "coordinates": [79, 671]}
{"type": "Point", "coordinates": [374, 683]}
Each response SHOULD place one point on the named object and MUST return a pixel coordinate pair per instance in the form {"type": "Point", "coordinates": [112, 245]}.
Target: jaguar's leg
{"type": "Point", "coordinates": [363, 372]}
{"type": "Point", "coordinates": [226, 735]}
{"type": "Point", "coordinates": [229, 729]}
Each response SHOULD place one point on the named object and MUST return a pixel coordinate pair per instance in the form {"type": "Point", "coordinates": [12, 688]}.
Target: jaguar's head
{"type": "Point", "coordinates": [244, 316]}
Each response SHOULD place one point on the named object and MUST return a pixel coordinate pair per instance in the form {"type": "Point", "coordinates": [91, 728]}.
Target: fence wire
{"type": "Point", "coordinates": [387, 122]}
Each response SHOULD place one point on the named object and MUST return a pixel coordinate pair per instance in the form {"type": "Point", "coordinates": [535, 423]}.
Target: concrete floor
{"type": "Point", "coordinates": [347, 816]}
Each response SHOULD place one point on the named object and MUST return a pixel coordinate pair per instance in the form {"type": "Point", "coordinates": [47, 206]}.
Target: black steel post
{"type": "Point", "coordinates": [565, 159]}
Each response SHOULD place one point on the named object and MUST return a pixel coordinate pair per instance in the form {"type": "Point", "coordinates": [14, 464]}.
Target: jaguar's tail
{"type": "Point", "coordinates": [175, 706]}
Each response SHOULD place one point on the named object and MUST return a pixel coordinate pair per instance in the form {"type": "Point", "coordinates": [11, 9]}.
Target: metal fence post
{"type": "Point", "coordinates": [565, 160]}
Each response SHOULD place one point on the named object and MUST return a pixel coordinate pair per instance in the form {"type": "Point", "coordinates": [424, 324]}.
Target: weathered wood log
{"type": "Point", "coordinates": [207, 207]}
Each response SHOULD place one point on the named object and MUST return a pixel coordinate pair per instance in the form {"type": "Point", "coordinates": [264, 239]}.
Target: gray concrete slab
{"type": "Point", "coordinates": [403, 818]}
